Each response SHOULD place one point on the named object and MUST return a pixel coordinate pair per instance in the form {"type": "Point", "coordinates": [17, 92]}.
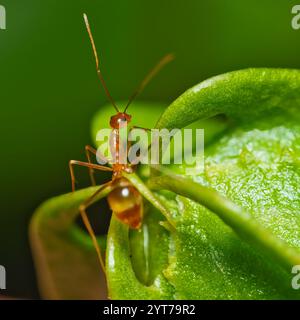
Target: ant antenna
{"type": "Point", "coordinates": [166, 59]}
{"type": "Point", "coordinates": [97, 62]}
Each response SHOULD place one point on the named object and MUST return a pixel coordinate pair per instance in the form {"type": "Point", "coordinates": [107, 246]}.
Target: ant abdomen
{"type": "Point", "coordinates": [126, 203]}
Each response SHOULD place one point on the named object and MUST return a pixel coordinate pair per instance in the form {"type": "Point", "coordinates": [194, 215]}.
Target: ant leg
{"type": "Point", "coordinates": [84, 164]}
{"type": "Point", "coordinates": [142, 128]}
{"type": "Point", "coordinates": [88, 151]}
{"type": "Point", "coordinates": [88, 225]}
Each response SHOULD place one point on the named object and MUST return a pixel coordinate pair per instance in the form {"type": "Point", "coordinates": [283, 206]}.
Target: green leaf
{"type": "Point", "coordinates": [217, 263]}
{"type": "Point", "coordinates": [234, 216]}
{"type": "Point", "coordinates": [238, 234]}
{"type": "Point", "coordinates": [65, 258]}
{"type": "Point", "coordinates": [242, 95]}
{"type": "Point", "coordinates": [124, 279]}
{"type": "Point", "coordinates": [256, 165]}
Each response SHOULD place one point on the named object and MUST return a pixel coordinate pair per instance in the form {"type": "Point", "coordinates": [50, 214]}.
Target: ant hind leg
{"type": "Point", "coordinates": [88, 225]}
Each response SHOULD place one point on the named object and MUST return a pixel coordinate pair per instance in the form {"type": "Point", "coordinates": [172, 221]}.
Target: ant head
{"type": "Point", "coordinates": [121, 119]}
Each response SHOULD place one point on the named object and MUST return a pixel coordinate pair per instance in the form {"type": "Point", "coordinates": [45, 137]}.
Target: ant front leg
{"type": "Point", "coordinates": [136, 127]}
{"type": "Point", "coordinates": [84, 164]}
{"type": "Point", "coordinates": [88, 151]}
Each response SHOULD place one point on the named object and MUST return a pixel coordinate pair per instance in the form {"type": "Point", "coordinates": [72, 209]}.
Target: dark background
{"type": "Point", "coordinates": [49, 89]}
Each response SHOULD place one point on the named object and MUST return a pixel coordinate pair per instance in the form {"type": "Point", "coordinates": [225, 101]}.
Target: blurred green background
{"type": "Point", "coordinates": [49, 89]}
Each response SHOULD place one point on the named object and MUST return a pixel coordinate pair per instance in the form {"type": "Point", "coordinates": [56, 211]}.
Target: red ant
{"type": "Point", "coordinates": [124, 199]}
